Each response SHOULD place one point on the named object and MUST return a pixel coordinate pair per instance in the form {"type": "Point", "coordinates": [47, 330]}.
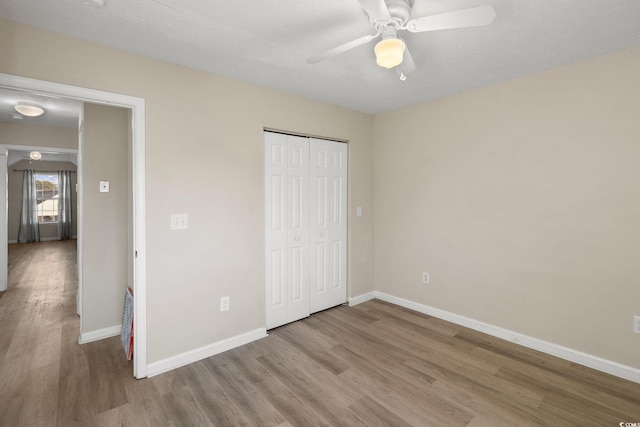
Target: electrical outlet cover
{"type": "Point", "coordinates": [224, 304]}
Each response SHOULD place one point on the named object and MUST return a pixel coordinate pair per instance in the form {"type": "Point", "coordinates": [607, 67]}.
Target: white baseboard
{"type": "Point", "coordinates": [361, 298]}
{"type": "Point", "coordinates": [594, 362]}
{"type": "Point", "coordinates": [192, 356]}
{"type": "Point", "coordinates": [100, 334]}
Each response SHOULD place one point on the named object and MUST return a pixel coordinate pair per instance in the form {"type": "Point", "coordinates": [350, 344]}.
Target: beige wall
{"type": "Point", "coordinates": [523, 202]}
{"type": "Point", "coordinates": [204, 157]}
{"type": "Point", "coordinates": [105, 249]}
{"type": "Point", "coordinates": [14, 197]}
{"type": "Point", "coordinates": [12, 133]}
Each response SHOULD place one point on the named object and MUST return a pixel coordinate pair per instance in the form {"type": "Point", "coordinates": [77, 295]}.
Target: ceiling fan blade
{"type": "Point", "coordinates": [474, 17]}
{"type": "Point", "coordinates": [407, 65]}
{"type": "Point", "coordinates": [376, 9]}
{"type": "Point", "coordinates": [341, 49]}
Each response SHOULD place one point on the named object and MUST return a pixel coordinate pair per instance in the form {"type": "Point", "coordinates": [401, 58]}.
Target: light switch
{"type": "Point", "coordinates": [104, 186]}
{"type": "Point", "coordinates": [179, 221]}
{"type": "Point", "coordinates": [359, 211]}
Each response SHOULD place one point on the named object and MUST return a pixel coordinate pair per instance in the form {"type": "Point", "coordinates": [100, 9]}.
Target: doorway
{"type": "Point", "coordinates": [136, 106]}
{"type": "Point", "coordinates": [49, 161]}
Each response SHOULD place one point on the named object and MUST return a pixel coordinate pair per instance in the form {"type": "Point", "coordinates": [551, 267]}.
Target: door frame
{"type": "Point", "coordinates": [137, 107]}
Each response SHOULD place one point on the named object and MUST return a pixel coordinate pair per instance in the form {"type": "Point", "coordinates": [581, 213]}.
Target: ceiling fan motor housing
{"type": "Point", "coordinates": [400, 11]}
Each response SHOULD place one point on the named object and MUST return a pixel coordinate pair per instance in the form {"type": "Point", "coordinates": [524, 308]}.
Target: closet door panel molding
{"type": "Point", "coordinates": [328, 233]}
{"type": "Point", "coordinates": [298, 227]}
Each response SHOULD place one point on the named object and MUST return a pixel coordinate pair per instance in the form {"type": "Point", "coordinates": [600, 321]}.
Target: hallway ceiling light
{"type": "Point", "coordinates": [35, 155]}
{"type": "Point", "coordinates": [29, 110]}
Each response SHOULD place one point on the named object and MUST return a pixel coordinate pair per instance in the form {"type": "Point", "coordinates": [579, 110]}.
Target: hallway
{"type": "Point", "coordinates": [44, 374]}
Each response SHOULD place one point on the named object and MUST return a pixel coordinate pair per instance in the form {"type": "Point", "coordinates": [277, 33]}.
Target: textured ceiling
{"type": "Point", "coordinates": [268, 42]}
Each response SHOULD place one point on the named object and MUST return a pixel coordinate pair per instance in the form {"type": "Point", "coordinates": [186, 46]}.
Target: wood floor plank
{"type": "Point", "coordinates": [41, 387]}
{"type": "Point", "coordinates": [484, 407]}
{"type": "Point", "coordinates": [215, 402]}
{"type": "Point", "coordinates": [414, 388]}
{"type": "Point", "coordinates": [373, 364]}
{"type": "Point", "coordinates": [368, 412]}
{"type": "Point", "coordinates": [122, 416]}
{"type": "Point", "coordinates": [558, 390]}
{"type": "Point", "coordinates": [290, 404]}
{"type": "Point", "coordinates": [107, 378]}
{"type": "Point", "coordinates": [551, 380]}
{"type": "Point", "coordinates": [411, 411]}
{"type": "Point", "coordinates": [481, 383]}
{"type": "Point", "coordinates": [330, 404]}
{"type": "Point", "coordinates": [424, 347]}
{"type": "Point", "coordinates": [428, 323]}
{"type": "Point", "coordinates": [254, 405]}
{"type": "Point", "coordinates": [248, 362]}
{"type": "Point", "coordinates": [296, 358]}
{"type": "Point", "coordinates": [318, 350]}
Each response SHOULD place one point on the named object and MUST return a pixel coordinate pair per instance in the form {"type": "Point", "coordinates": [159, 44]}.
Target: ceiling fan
{"type": "Point", "coordinates": [388, 17]}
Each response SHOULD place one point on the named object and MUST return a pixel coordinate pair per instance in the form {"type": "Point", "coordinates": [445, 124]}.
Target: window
{"type": "Point", "coordinates": [47, 195]}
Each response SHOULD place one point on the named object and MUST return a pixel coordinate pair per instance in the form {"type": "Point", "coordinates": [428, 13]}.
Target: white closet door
{"type": "Point", "coordinates": [328, 224]}
{"type": "Point", "coordinates": [287, 228]}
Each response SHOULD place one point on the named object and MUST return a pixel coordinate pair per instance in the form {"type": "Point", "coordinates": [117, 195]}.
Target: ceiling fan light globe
{"type": "Point", "coordinates": [389, 52]}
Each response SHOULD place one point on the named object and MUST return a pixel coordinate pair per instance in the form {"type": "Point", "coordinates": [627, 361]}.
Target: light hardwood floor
{"type": "Point", "coordinates": [373, 364]}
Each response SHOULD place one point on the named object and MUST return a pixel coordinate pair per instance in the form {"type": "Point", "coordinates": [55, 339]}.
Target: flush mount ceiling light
{"type": "Point", "coordinates": [389, 52]}
{"type": "Point", "coordinates": [29, 110]}
{"type": "Point", "coordinates": [35, 155]}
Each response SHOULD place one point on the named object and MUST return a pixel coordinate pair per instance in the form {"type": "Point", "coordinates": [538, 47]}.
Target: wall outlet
{"type": "Point", "coordinates": [425, 277]}
{"type": "Point", "coordinates": [224, 304]}
{"type": "Point", "coordinates": [636, 324]}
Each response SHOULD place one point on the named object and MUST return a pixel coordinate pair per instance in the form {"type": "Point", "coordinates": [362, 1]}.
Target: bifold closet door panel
{"type": "Point", "coordinates": [298, 227]}
{"type": "Point", "coordinates": [328, 224]}
{"type": "Point", "coordinates": [287, 228]}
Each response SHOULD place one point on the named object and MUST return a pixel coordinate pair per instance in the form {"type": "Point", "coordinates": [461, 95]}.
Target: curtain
{"type": "Point", "coordinates": [29, 230]}
{"type": "Point", "coordinates": [65, 231]}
